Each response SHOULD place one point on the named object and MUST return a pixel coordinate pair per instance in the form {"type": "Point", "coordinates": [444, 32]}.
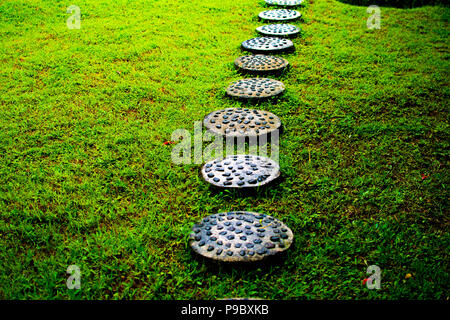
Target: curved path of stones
{"type": "Point", "coordinates": [249, 236]}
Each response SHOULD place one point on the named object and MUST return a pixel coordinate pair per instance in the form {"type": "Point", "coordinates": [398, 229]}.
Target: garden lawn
{"type": "Point", "coordinates": [86, 179]}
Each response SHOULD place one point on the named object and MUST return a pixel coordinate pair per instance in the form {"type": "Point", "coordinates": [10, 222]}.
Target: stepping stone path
{"type": "Point", "coordinates": [248, 236]}
{"type": "Point", "coordinates": [238, 122]}
{"type": "Point", "coordinates": [278, 30]}
{"type": "Point", "coordinates": [241, 171]}
{"type": "Point", "coordinates": [261, 63]}
{"type": "Point", "coordinates": [280, 14]}
{"type": "Point", "coordinates": [257, 88]}
{"type": "Point", "coordinates": [267, 44]}
{"type": "Point", "coordinates": [284, 3]}
{"type": "Point", "coordinates": [240, 236]}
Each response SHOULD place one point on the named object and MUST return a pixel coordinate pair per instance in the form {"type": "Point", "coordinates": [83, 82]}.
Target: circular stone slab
{"type": "Point", "coordinates": [255, 88]}
{"type": "Point", "coordinates": [280, 14]}
{"type": "Point", "coordinates": [240, 236]}
{"type": "Point", "coordinates": [278, 29]}
{"type": "Point", "coordinates": [284, 3]}
{"type": "Point", "coordinates": [267, 44]}
{"type": "Point", "coordinates": [238, 122]}
{"type": "Point", "coordinates": [241, 171]}
{"type": "Point", "coordinates": [261, 63]}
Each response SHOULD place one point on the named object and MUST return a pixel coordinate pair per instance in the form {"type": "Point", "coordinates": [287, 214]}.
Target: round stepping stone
{"type": "Point", "coordinates": [261, 63]}
{"type": "Point", "coordinates": [267, 44]}
{"type": "Point", "coordinates": [241, 171]}
{"type": "Point", "coordinates": [280, 14]}
{"type": "Point", "coordinates": [284, 3]}
{"type": "Point", "coordinates": [240, 236]}
{"type": "Point", "coordinates": [238, 122]}
{"type": "Point", "coordinates": [278, 29]}
{"type": "Point", "coordinates": [256, 88]}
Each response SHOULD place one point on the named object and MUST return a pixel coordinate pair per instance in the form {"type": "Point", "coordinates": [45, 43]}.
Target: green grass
{"type": "Point", "coordinates": [397, 3]}
{"type": "Point", "coordinates": [85, 178]}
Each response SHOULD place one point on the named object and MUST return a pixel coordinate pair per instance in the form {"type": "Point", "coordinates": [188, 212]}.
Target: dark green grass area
{"type": "Point", "coordinates": [85, 178]}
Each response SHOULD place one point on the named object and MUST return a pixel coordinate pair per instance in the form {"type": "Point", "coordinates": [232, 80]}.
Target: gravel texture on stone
{"type": "Point", "coordinates": [239, 122]}
{"type": "Point", "coordinates": [261, 63]}
{"type": "Point", "coordinates": [267, 44]}
{"type": "Point", "coordinates": [241, 171]}
{"type": "Point", "coordinates": [280, 14]}
{"type": "Point", "coordinates": [278, 29]}
{"type": "Point", "coordinates": [255, 88]}
{"type": "Point", "coordinates": [284, 3]}
{"type": "Point", "coordinates": [240, 236]}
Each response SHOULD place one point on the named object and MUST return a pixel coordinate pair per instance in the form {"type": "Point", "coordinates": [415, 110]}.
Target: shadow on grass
{"type": "Point", "coordinates": [263, 266]}
{"type": "Point", "coordinates": [256, 102]}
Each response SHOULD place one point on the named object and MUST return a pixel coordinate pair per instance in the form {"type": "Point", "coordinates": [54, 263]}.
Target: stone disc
{"type": "Point", "coordinates": [241, 171]}
{"type": "Point", "coordinates": [240, 236]}
{"type": "Point", "coordinates": [284, 3]}
{"type": "Point", "coordinates": [256, 88]}
{"type": "Point", "coordinates": [280, 14]}
{"type": "Point", "coordinates": [267, 44]}
{"type": "Point", "coordinates": [278, 29]}
{"type": "Point", "coordinates": [238, 122]}
{"type": "Point", "coordinates": [261, 63]}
